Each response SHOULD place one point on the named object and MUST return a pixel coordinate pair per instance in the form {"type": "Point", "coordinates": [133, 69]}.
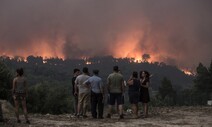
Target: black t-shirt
{"type": "Point", "coordinates": [135, 87]}
{"type": "Point", "coordinates": [73, 84]}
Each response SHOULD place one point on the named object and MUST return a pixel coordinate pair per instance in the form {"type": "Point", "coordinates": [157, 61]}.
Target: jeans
{"type": "Point", "coordinates": [97, 101]}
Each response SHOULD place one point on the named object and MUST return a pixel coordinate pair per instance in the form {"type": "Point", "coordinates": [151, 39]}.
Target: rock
{"type": "Point", "coordinates": [7, 108]}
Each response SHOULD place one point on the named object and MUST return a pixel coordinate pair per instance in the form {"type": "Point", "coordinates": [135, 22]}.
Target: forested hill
{"type": "Point", "coordinates": [57, 71]}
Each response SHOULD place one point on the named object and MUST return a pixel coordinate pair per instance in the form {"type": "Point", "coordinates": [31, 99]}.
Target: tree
{"type": "Point", "coordinates": [203, 83]}
{"type": "Point", "coordinates": [5, 84]}
{"type": "Point", "coordinates": [166, 91]}
{"type": "Point", "coordinates": [145, 57]}
{"type": "Point", "coordinates": [5, 81]}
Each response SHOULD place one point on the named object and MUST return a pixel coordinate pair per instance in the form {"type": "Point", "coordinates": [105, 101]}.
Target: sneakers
{"type": "Point", "coordinates": [101, 117]}
{"type": "Point", "coordinates": [108, 116]}
{"type": "Point", "coordinates": [121, 116]}
{"type": "Point", "coordinates": [18, 121]}
{"type": "Point", "coordinates": [84, 116]}
{"type": "Point", "coordinates": [27, 122]}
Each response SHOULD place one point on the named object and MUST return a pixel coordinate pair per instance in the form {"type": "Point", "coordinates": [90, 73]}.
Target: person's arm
{"type": "Point", "coordinates": [26, 87]}
{"type": "Point", "coordinates": [146, 86]}
{"type": "Point", "coordinates": [75, 87]}
{"type": "Point", "coordinates": [130, 81]}
{"type": "Point", "coordinates": [123, 86]}
{"type": "Point", "coordinates": [14, 83]}
{"type": "Point", "coordinates": [108, 84]}
{"type": "Point", "coordinates": [87, 83]}
{"type": "Point", "coordinates": [101, 87]}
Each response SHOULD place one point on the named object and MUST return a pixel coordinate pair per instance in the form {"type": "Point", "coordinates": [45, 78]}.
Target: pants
{"type": "Point", "coordinates": [83, 101]}
{"type": "Point", "coordinates": [75, 104]}
{"type": "Point", "coordinates": [1, 114]}
{"type": "Point", "coordinates": [97, 101]}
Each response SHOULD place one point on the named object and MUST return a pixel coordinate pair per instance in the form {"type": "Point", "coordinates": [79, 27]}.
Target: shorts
{"type": "Point", "coordinates": [115, 98]}
{"type": "Point", "coordinates": [20, 96]}
{"type": "Point", "coordinates": [133, 97]}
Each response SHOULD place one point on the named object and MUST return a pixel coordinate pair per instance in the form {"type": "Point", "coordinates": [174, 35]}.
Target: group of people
{"type": "Point", "coordinates": [91, 90]}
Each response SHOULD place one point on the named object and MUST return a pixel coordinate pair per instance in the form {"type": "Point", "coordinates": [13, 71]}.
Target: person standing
{"type": "Point", "coordinates": [133, 92]}
{"type": "Point", "coordinates": [115, 83]}
{"type": "Point", "coordinates": [97, 94]}
{"type": "Point", "coordinates": [83, 92]}
{"type": "Point", "coordinates": [76, 73]}
{"type": "Point", "coordinates": [144, 91]}
{"type": "Point", "coordinates": [20, 92]}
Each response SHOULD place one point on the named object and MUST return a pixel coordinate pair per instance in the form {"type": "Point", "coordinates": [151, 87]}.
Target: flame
{"type": "Point", "coordinates": [88, 63]}
{"type": "Point", "coordinates": [129, 48]}
{"type": "Point", "coordinates": [187, 71]}
{"type": "Point", "coordinates": [38, 48]}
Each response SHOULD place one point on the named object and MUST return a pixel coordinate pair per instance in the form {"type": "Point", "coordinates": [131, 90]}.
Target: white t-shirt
{"type": "Point", "coordinates": [79, 82]}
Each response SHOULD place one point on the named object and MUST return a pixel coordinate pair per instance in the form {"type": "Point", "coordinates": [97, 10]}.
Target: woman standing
{"type": "Point", "coordinates": [20, 93]}
{"type": "Point", "coordinates": [144, 91]}
{"type": "Point", "coordinates": [133, 91]}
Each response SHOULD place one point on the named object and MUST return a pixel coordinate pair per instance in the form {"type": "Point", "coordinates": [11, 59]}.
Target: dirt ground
{"type": "Point", "coordinates": [159, 117]}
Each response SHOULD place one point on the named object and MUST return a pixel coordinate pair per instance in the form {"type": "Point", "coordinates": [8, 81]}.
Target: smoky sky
{"type": "Point", "coordinates": [174, 31]}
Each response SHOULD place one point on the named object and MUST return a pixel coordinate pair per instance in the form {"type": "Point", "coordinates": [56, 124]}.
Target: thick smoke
{"type": "Point", "coordinates": [174, 31]}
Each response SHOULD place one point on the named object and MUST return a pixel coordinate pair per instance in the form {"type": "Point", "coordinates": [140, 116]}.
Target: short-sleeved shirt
{"type": "Point", "coordinates": [115, 81]}
{"type": "Point", "coordinates": [79, 82]}
{"type": "Point", "coordinates": [95, 83]}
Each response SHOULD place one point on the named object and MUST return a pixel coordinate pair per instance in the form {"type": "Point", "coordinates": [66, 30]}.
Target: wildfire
{"type": "Point", "coordinates": [88, 63]}
{"type": "Point", "coordinates": [187, 72]}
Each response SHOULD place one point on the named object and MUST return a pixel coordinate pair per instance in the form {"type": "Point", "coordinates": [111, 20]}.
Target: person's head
{"type": "Point", "coordinates": [135, 74]}
{"type": "Point", "coordinates": [85, 70]}
{"type": "Point", "coordinates": [76, 71]}
{"type": "Point", "coordinates": [96, 72]}
{"type": "Point", "coordinates": [115, 68]}
{"type": "Point", "coordinates": [144, 74]}
{"type": "Point", "coordinates": [20, 71]}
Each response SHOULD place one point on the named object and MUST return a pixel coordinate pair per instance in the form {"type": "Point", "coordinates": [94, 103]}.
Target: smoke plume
{"type": "Point", "coordinates": [174, 31]}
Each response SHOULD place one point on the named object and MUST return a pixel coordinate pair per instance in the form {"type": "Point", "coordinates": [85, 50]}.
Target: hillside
{"type": "Point", "coordinates": [55, 70]}
{"type": "Point", "coordinates": [159, 117]}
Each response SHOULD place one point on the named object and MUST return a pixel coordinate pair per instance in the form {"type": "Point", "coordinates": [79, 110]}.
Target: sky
{"type": "Point", "coordinates": [177, 32]}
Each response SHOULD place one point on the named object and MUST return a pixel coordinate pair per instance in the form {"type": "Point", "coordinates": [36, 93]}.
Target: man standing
{"type": "Point", "coordinates": [83, 92]}
{"type": "Point", "coordinates": [115, 83]}
{"type": "Point", "coordinates": [97, 93]}
{"type": "Point", "coordinates": [76, 73]}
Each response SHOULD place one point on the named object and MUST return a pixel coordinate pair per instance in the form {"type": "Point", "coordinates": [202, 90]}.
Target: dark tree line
{"type": "Point", "coordinates": [50, 81]}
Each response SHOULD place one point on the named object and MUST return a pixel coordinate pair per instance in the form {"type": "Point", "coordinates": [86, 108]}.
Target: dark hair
{"type": "Point", "coordinates": [96, 72]}
{"type": "Point", "coordinates": [146, 72]}
{"type": "Point", "coordinates": [20, 71]}
{"type": "Point", "coordinates": [85, 70]}
{"type": "Point", "coordinates": [76, 70]}
{"type": "Point", "coordinates": [135, 74]}
{"type": "Point", "coordinates": [116, 68]}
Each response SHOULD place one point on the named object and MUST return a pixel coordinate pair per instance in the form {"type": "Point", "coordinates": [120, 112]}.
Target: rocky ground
{"type": "Point", "coordinates": [159, 117]}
